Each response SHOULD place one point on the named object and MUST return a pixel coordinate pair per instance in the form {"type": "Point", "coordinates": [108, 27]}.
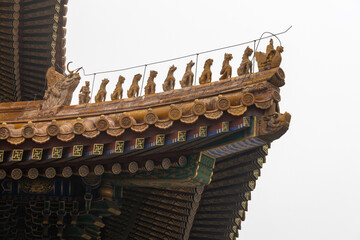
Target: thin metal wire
{"type": "Point", "coordinates": [92, 87]}
{"type": "Point", "coordinates": [143, 78]}
{"type": "Point", "coordinates": [190, 55]}
{"type": "Point", "coordinates": [196, 65]}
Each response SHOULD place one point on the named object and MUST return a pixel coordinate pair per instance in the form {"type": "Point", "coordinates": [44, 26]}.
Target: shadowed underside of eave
{"type": "Point", "coordinates": [32, 38]}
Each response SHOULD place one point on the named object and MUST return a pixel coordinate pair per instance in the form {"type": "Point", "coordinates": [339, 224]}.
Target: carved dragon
{"type": "Point", "coordinates": [60, 88]}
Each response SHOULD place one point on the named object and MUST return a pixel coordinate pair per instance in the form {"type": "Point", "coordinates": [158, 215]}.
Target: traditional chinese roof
{"type": "Point", "coordinates": [180, 164]}
{"type": "Point", "coordinates": [185, 161]}
{"type": "Point", "coordinates": [32, 38]}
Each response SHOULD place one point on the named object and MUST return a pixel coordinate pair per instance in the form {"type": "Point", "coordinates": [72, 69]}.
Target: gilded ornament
{"type": "Point", "coordinates": [101, 94]}
{"type": "Point", "coordinates": [226, 69]}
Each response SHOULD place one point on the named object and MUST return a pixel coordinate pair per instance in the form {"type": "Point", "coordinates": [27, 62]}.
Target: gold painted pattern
{"type": "Point", "coordinates": [78, 150]}
{"type": "Point", "coordinates": [1, 155]}
{"type": "Point", "coordinates": [57, 152]}
{"type": "Point", "coordinates": [119, 146]}
{"type": "Point", "coordinates": [17, 155]}
{"type": "Point", "coordinates": [181, 136]}
{"type": "Point", "coordinates": [160, 139]}
{"type": "Point", "coordinates": [203, 131]}
{"type": "Point", "coordinates": [37, 153]}
{"type": "Point", "coordinates": [98, 149]}
{"type": "Point", "coordinates": [225, 126]}
{"type": "Point", "coordinates": [140, 143]}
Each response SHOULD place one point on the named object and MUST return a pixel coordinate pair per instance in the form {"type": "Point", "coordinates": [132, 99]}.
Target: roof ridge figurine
{"type": "Point", "coordinates": [270, 59]}
{"type": "Point", "coordinates": [206, 74]}
{"type": "Point", "coordinates": [101, 95]}
{"type": "Point", "coordinates": [169, 82]}
{"type": "Point", "coordinates": [151, 86]}
{"type": "Point", "coordinates": [60, 88]}
{"type": "Point", "coordinates": [134, 88]}
{"type": "Point", "coordinates": [188, 78]}
{"type": "Point", "coordinates": [246, 65]}
{"type": "Point", "coordinates": [226, 69]}
{"type": "Point", "coordinates": [118, 91]}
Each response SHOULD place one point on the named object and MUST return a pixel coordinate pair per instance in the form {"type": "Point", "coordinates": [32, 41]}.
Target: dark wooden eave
{"type": "Point", "coordinates": [32, 39]}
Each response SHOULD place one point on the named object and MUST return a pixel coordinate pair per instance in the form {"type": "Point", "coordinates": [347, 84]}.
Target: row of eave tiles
{"type": "Point", "coordinates": [176, 213]}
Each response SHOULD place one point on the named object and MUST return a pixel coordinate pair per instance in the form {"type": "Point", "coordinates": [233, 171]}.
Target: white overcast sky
{"type": "Point", "coordinates": [309, 188]}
